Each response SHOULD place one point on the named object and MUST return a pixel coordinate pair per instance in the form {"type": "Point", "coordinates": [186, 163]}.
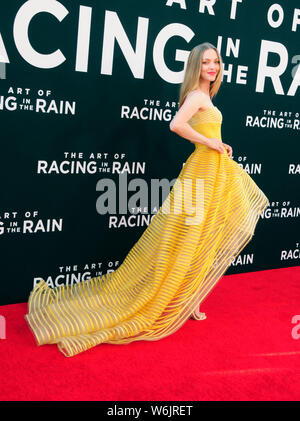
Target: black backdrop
{"type": "Point", "coordinates": [98, 99]}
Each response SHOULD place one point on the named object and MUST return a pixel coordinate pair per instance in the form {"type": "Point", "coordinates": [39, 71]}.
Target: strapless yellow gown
{"type": "Point", "coordinates": [171, 268]}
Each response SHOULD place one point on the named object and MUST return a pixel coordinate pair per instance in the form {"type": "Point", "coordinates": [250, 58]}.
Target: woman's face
{"type": "Point", "coordinates": [210, 65]}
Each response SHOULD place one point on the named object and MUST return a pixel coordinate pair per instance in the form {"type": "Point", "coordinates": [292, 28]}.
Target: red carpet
{"type": "Point", "coordinates": [244, 350]}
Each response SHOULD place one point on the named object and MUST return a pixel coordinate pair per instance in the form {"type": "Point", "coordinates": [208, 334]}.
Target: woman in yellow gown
{"type": "Point", "coordinates": [206, 220]}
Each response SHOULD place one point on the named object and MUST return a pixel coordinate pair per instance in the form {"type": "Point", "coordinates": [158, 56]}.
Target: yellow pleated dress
{"type": "Point", "coordinates": [208, 217]}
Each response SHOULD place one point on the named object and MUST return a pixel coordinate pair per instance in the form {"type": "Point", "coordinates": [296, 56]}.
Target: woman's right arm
{"type": "Point", "coordinates": [180, 125]}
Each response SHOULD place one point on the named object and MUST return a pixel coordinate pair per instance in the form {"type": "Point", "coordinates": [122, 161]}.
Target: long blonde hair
{"type": "Point", "coordinates": [193, 71]}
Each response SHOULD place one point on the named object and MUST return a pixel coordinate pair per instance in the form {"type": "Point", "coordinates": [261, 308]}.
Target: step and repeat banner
{"type": "Point", "coordinates": [87, 92]}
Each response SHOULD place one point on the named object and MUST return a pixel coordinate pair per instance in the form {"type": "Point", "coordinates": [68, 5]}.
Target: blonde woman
{"type": "Point", "coordinates": [206, 220]}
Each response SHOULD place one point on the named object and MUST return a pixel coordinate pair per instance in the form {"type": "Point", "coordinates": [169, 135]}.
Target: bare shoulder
{"type": "Point", "coordinates": [194, 101]}
{"type": "Point", "coordinates": [197, 99]}
{"type": "Point", "coordinates": [196, 93]}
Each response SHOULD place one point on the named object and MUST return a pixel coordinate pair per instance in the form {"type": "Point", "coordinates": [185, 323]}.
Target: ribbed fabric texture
{"type": "Point", "coordinates": [206, 220]}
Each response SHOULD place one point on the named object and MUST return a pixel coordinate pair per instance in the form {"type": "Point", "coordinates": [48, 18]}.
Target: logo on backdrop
{"type": "Point", "coordinates": [91, 163]}
{"type": "Point", "coordinates": [104, 163]}
{"type": "Point", "coordinates": [74, 274]}
{"type": "Point", "coordinates": [281, 210]}
{"type": "Point", "coordinates": [28, 222]}
{"type": "Point", "coordinates": [249, 167]}
{"type": "Point", "coordinates": [240, 260]}
{"type": "Point", "coordinates": [292, 254]}
{"type": "Point", "coordinates": [35, 100]}
{"type": "Point", "coordinates": [294, 169]}
{"type": "Point", "coordinates": [152, 109]}
{"type": "Point", "coordinates": [272, 119]}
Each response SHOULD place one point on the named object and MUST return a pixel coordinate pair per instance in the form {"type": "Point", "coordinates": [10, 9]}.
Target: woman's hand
{"type": "Point", "coordinates": [216, 144]}
{"type": "Point", "coordinates": [228, 149]}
